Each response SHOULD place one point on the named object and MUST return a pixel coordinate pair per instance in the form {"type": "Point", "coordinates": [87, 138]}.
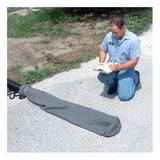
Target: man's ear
{"type": "Point", "coordinates": [123, 27]}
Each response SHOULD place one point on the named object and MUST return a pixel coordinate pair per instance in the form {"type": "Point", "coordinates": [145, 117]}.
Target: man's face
{"type": "Point", "coordinates": [117, 33]}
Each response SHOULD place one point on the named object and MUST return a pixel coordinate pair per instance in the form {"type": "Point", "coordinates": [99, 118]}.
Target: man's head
{"type": "Point", "coordinates": [117, 27]}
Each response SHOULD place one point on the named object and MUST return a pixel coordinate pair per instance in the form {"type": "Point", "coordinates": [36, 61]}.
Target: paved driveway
{"type": "Point", "coordinates": [30, 129]}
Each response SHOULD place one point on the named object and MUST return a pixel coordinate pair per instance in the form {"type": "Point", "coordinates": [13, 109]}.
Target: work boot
{"type": "Point", "coordinates": [112, 90]}
{"type": "Point", "coordinates": [138, 74]}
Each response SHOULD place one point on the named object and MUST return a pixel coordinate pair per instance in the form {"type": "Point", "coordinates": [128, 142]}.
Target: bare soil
{"type": "Point", "coordinates": [26, 53]}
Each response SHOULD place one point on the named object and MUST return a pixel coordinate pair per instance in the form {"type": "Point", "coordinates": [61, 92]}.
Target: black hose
{"type": "Point", "coordinates": [13, 86]}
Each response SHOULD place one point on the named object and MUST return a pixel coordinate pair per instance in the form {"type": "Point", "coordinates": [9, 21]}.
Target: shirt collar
{"type": "Point", "coordinates": [126, 36]}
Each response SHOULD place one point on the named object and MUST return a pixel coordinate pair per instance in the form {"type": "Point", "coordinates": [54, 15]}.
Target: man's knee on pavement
{"type": "Point", "coordinates": [125, 96]}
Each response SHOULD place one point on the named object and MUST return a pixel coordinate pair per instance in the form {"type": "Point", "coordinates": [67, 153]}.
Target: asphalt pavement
{"type": "Point", "coordinates": [30, 129]}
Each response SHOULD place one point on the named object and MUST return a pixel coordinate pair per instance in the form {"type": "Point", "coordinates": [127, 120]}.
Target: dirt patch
{"type": "Point", "coordinates": [28, 54]}
{"type": "Point", "coordinates": [82, 51]}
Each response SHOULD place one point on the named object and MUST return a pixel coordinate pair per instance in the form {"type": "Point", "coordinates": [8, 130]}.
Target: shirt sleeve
{"type": "Point", "coordinates": [104, 45]}
{"type": "Point", "coordinates": [135, 49]}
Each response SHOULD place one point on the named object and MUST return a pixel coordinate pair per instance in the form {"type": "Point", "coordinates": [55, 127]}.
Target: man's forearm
{"type": "Point", "coordinates": [102, 56]}
{"type": "Point", "coordinates": [131, 63]}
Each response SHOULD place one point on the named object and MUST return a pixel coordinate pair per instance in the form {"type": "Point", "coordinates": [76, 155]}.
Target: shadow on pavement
{"type": "Point", "coordinates": [105, 89]}
{"type": "Point", "coordinates": [104, 93]}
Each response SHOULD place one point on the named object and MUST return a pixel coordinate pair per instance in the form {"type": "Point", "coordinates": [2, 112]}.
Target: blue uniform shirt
{"type": "Point", "coordinates": [121, 51]}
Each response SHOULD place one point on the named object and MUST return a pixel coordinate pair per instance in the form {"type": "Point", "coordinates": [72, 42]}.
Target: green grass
{"type": "Point", "coordinates": [49, 57]}
{"type": "Point", "coordinates": [60, 32]}
{"type": "Point", "coordinates": [59, 66]}
{"type": "Point", "coordinates": [34, 23]}
{"type": "Point", "coordinates": [12, 9]}
{"type": "Point", "coordinates": [138, 20]}
{"type": "Point", "coordinates": [32, 76]}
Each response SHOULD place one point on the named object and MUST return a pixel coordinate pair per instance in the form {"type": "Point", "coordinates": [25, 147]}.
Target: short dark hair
{"type": "Point", "coordinates": [118, 21]}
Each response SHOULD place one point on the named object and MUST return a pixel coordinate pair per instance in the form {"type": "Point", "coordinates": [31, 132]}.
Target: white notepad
{"type": "Point", "coordinates": [104, 69]}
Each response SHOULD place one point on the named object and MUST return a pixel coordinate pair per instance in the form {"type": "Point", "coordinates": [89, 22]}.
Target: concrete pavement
{"type": "Point", "coordinates": [30, 129]}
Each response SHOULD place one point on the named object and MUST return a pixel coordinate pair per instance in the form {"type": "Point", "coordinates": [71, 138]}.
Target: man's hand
{"type": "Point", "coordinates": [114, 67]}
{"type": "Point", "coordinates": [101, 64]}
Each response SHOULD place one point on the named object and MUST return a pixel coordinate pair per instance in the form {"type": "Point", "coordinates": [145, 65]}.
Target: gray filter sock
{"type": "Point", "coordinates": [87, 118]}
